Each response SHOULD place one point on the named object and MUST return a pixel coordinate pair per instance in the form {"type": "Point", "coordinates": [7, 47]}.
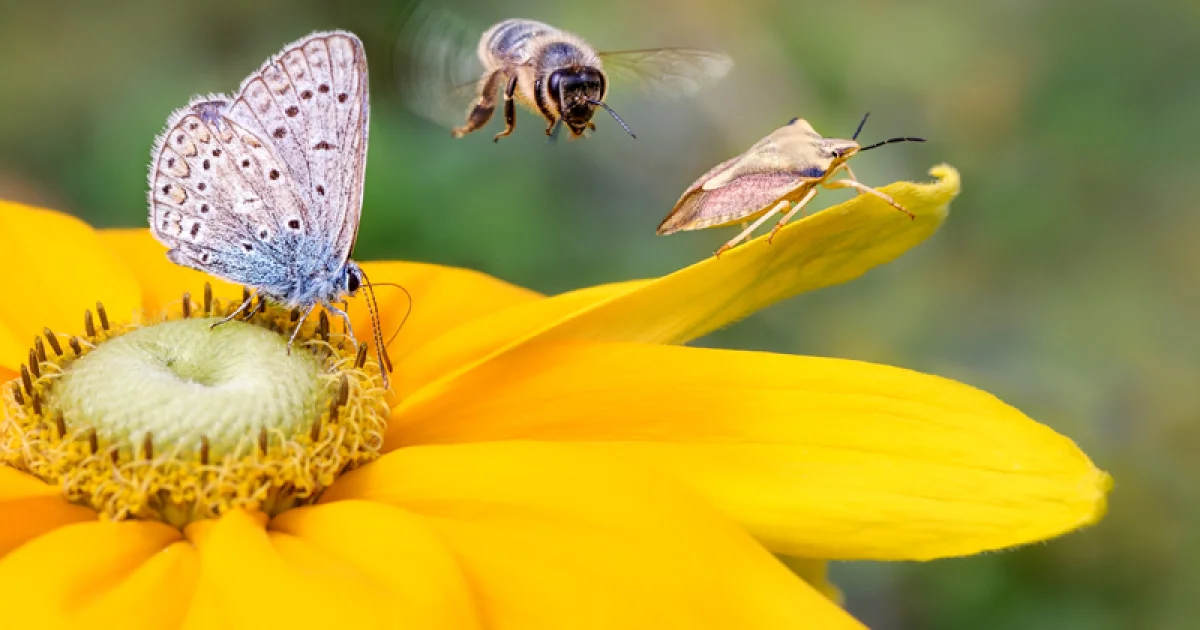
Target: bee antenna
{"type": "Point", "coordinates": [891, 140]}
{"type": "Point", "coordinates": [860, 126]}
{"type": "Point", "coordinates": [614, 115]}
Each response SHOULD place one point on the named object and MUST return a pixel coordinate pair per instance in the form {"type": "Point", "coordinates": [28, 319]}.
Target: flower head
{"type": "Point", "coordinates": [546, 461]}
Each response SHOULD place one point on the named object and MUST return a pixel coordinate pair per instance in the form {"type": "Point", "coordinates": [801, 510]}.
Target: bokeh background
{"type": "Point", "coordinates": [1067, 280]}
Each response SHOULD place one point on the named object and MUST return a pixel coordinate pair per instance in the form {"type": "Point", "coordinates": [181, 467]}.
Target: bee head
{"type": "Point", "coordinates": [575, 92]}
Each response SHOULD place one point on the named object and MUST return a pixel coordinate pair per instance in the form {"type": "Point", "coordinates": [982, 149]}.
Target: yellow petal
{"type": "Point", "coordinates": [442, 298]}
{"type": "Point", "coordinates": [816, 573]}
{"type": "Point", "coordinates": [99, 575]}
{"type": "Point", "coordinates": [553, 537]}
{"type": "Point", "coordinates": [30, 507]}
{"type": "Point", "coordinates": [163, 282]}
{"type": "Point", "coordinates": [257, 579]}
{"type": "Point", "coordinates": [56, 268]}
{"type": "Point", "coordinates": [827, 248]}
{"type": "Point", "coordinates": [821, 458]}
{"type": "Point", "coordinates": [483, 336]}
{"type": "Point", "coordinates": [408, 567]}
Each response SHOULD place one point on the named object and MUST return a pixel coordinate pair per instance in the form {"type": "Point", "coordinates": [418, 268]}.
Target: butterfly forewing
{"type": "Point", "coordinates": [247, 187]}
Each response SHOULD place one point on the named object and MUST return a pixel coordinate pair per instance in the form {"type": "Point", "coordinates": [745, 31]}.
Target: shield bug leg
{"type": "Point", "coordinates": [788, 217]}
{"type": "Point", "coordinates": [783, 203]}
{"type": "Point", "coordinates": [850, 183]}
{"type": "Point", "coordinates": [510, 109]}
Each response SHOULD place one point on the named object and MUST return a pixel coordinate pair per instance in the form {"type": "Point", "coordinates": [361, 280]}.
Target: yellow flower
{"type": "Point", "coordinates": [548, 462]}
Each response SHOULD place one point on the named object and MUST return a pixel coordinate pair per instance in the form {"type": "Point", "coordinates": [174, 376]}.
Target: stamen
{"type": "Point", "coordinates": [39, 348]}
{"type": "Point", "coordinates": [60, 424]}
{"type": "Point", "coordinates": [89, 326]}
{"type": "Point", "coordinates": [75, 347]}
{"type": "Point", "coordinates": [204, 449]}
{"type": "Point", "coordinates": [34, 366]}
{"type": "Point", "coordinates": [187, 305]}
{"type": "Point", "coordinates": [262, 440]}
{"type": "Point", "coordinates": [361, 359]}
{"type": "Point", "coordinates": [323, 326]}
{"type": "Point", "coordinates": [53, 339]}
{"type": "Point", "coordinates": [208, 299]}
{"type": "Point", "coordinates": [17, 395]}
{"type": "Point", "coordinates": [26, 381]}
{"type": "Point", "coordinates": [148, 446]}
{"type": "Point", "coordinates": [94, 441]}
{"type": "Point", "coordinates": [103, 316]}
{"type": "Point", "coordinates": [36, 403]}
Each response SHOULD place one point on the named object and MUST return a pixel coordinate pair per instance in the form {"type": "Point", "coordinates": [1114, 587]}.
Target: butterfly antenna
{"type": "Point", "coordinates": [614, 115]}
{"type": "Point", "coordinates": [891, 140]}
{"type": "Point", "coordinates": [406, 313]}
{"type": "Point", "coordinates": [860, 126]}
{"type": "Point", "coordinates": [385, 362]}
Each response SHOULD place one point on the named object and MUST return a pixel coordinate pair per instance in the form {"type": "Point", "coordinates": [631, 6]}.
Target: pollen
{"type": "Point", "coordinates": [192, 413]}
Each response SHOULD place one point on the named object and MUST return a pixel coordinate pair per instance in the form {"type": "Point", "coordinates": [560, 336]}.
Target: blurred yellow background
{"type": "Point", "coordinates": [1067, 280]}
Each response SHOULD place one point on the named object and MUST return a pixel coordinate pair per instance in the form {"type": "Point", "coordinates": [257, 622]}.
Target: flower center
{"type": "Point", "coordinates": [179, 420]}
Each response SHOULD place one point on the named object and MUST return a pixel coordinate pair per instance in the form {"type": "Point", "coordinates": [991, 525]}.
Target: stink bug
{"type": "Point", "coordinates": [781, 169]}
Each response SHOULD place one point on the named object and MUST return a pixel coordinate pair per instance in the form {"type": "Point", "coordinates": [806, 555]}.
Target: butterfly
{"type": "Point", "coordinates": [264, 188]}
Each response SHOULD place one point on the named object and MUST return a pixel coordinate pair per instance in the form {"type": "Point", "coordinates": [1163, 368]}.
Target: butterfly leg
{"type": "Point", "coordinates": [753, 226]}
{"type": "Point", "coordinates": [788, 217]}
{"type": "Point", "coordinates": [299, 325]}
{"type": "Point", "coordinates": [863, 188]}
{"type": "Point", "coordinates": [345, 318]}
{"type": "Point", "coordinates": [485, 104]}
{"type": "Point", "coordinates": [230, 317]}
{"type": "Point", "coordinates": [510, 109]}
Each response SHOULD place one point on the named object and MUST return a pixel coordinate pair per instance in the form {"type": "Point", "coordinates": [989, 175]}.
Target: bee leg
{"type": "Point", "coordinates": [485, 104]}
{"type": "Point", "coordinates": [788, 217]}
{"type": "Point", "coordinates": [863, 188]}
{"type": "Point", "coordinates": [510, 109]}
{"type": "Point", "coordinates": [591, 126]}
{"type": "Point", "coordinates": [783, 203]}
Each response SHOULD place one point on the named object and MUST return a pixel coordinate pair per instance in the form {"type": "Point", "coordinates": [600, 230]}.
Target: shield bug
{"type": "Point", "coordinates": [782, 169]}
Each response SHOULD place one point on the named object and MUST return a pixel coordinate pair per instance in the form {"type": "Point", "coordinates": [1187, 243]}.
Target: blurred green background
{"type": "Point", "coordinates": [1066, 280]}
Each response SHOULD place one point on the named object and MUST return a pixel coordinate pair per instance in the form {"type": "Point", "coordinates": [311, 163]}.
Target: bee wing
{"type": "Point", "coordinates": [436, 66]}
{"type": "Point", "coordinates": [667, 72]}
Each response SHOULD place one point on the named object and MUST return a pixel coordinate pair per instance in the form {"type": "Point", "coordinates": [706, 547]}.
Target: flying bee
{"type": "Point", "coordinates": [550, 71]}
{"type": "Point", "coordinates": [782, 169]}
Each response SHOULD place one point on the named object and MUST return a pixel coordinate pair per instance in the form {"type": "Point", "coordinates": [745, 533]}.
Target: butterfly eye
{"type": "Point", "coordinates": [353, 282]}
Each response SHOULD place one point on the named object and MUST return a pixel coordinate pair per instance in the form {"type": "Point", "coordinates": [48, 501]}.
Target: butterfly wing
{"type": "Point", "coordinates": [311, 103]}
{"type": "Point", "coordinates": [667, 72]}
{"type": "Point", "coordinates": [242, 186]}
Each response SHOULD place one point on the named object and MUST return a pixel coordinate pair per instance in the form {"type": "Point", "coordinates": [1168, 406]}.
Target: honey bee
{"type": "Point", "coordinates": [552, 72]}
{"type": "Point", "coordinates": [779, 174]}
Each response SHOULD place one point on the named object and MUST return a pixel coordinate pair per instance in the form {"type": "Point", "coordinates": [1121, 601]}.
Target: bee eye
{"type": "Point", "coordinates": [555, 82]}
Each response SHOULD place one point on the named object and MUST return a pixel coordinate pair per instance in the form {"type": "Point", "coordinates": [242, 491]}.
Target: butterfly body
{"type": "Point", "coordinates": [264, 187]}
